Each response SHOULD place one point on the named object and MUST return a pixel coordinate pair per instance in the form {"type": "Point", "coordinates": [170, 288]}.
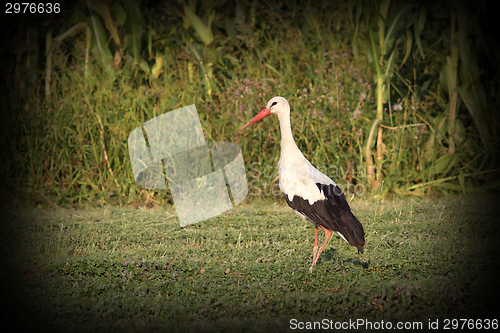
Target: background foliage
{"type": "Point", "coordinates": [387, 97]}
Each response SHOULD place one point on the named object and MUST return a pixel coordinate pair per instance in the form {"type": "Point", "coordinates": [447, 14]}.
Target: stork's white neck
{"type": "Point", "coordinates": [289, 150]}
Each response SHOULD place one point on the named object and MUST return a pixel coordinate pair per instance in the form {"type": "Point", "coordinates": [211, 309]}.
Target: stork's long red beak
{"type": "Point", "coordinates": [261, 115]}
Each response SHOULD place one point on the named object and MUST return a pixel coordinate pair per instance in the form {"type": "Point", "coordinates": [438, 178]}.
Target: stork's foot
{"type": "Point", "coordinates": [315, 258]}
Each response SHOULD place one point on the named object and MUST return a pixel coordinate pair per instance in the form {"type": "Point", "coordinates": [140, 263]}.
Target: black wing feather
{"type": "Point", "coordinates": [332, 213]}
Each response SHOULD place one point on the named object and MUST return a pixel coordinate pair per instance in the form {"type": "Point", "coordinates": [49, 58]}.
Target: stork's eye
{"type": "Point", "coordinates": [274, 103]}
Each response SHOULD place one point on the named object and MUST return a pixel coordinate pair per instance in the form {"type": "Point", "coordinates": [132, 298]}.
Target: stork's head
{"type": "Point", "coordinates": [277, 105]}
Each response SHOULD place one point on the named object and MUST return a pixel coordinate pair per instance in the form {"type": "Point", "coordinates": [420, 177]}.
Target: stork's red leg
{"type": "Point", "coordinates": [315, 247]}
{"type": "Point", "coordinates": [328, 234]}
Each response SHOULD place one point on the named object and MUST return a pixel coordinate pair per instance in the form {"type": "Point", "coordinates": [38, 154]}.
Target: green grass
{"type": "Point", "coordinates": [123, 269]}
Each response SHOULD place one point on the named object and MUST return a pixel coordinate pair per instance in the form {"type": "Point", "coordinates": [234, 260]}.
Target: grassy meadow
{"type": "Point", "coordinates": [129, 270]}
{"type": "Point", "coordinates": [396, 101]}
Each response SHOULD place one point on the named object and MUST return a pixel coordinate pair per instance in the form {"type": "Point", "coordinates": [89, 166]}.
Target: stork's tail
{"type": "Point", "coordinates": [355, 234]}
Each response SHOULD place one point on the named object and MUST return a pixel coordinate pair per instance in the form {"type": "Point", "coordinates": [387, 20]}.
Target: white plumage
{"type": "Point", "coordinates": [313, 195]}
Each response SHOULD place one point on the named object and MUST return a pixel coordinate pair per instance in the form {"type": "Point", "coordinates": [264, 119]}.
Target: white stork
{"type": "Point", "coordinates": [313, 195]}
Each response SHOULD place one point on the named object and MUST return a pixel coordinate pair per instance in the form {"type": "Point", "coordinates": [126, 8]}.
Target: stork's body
{"type": "Point", "coordinates": [313, 195]}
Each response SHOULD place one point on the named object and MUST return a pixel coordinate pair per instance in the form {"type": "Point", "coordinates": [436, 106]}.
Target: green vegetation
{"type": "Point", "coordinates": [396, 102]}
{"type": "Point", "coordinates": [135, 270]}
{"type": "Point", "coordinates": [404, 95]}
